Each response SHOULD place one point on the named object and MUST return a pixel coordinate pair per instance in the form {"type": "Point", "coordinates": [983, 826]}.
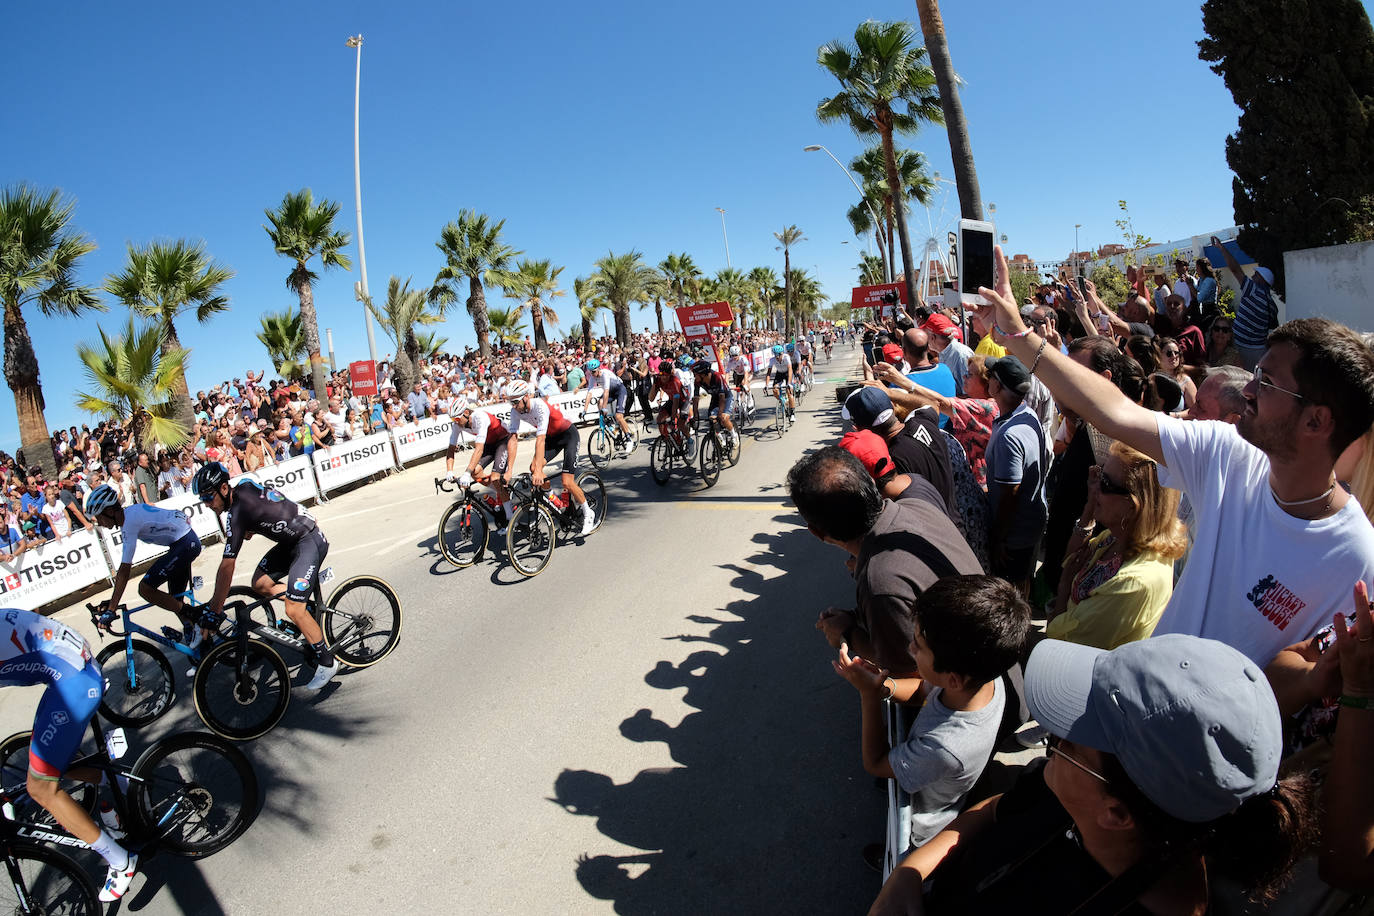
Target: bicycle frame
{"type": "Point", "coordinates": [132, 629]}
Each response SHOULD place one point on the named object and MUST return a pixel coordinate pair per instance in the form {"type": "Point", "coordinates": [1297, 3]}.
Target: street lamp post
{"type": "Point", "coordinates": [877, 223]}
{"type": "Point", "coordinates": [1076, 227]}
{"type": "Point", "coordinates": [723, 235]}
{"type": "Point", "coordinates": [360, 291]}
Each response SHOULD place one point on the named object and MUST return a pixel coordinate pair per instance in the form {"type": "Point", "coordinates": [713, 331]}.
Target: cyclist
{"type": "Point", "coordinates": [741, 374]}
{"type": "Point", "coordinates": [828, 341]}
{"type": "Point", "coordinates": [672, 413]}
{"type": "Point", "coordinates": [152, 525]}
{"type": "Point", "coordinates": [38, 650]}
{"type": "Point", "coordinates": [722, 400]}
{"type": "Point", "coordinates": [493, 437]}
{"type": "Point", "coordinates": [804, 351]}
{"type": "Point", "coordinates": [611, 387]}
{"type": "Point", "coordinates": [780, 377]}
{"type": "Point", "coordinates": [554, 434]}
{"type": "Point", "coordinates": [299, 548]}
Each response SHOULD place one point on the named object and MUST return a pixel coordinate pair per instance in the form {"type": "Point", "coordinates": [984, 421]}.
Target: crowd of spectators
{"type": "Point", "coordinates": [1187, 516]}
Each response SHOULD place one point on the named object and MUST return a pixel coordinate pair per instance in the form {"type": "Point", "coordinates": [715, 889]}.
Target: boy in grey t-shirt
{"type": "Point", "coordinates": [969, 631]}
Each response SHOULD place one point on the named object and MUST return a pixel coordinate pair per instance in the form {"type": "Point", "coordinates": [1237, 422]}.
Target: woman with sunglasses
{"type": "Point", "coordinates": [1171, 363]}
{"type": "Point", "coordinates": [1221, 347]}
{"type": "Point", "coordinates": [1115, 584]}
{"type": "Point", "coordinates": [1161, 777]}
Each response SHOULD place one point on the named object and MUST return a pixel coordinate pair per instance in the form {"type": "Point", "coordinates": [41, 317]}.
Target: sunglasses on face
{"type": "Point", "coordinates": [1054, 746]}
{"type": "Point", "coordinates": [1172, 353]}
{"type": "Point", "coordinates": [1106, 485]}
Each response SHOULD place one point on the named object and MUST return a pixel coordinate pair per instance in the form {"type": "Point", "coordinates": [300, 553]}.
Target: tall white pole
{"type": "Point", "coordinates": [357, 42]}
{"type": "Point", "coordinates": [877, 223]}
{"type": "Point", "coordinates": [724, 236]}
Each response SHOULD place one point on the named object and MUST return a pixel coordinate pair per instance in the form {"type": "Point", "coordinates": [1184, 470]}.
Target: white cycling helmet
{"type": "Point", "coordinates": [734, 351]}
{"type": "Point", "coordinates": [460, 404]}
{"type": "Point", "coordinates": [517, 389]}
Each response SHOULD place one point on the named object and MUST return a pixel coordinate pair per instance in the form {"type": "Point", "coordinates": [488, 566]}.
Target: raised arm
{"type": "Point", "coordinates": [1231, 263]}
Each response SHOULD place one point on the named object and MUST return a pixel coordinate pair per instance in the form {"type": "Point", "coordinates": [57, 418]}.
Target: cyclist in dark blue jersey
{"type": "Point", "coordinates": [299, 548]}
{"type": "Point", "coordinates": [722, 398]}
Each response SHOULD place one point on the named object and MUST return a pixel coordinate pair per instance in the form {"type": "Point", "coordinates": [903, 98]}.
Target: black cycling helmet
{"type": "Point", "coordinates": [665, 367]}
{"type": "Point", "coordinates": [208, 479]}
{"type": "Point", "coordinates": [700, 366]}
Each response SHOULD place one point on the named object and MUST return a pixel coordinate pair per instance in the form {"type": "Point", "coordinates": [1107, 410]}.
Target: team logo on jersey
{"type": "Point", "coordinates": [93, 693]}
{"type": "Point", "coordinates": [302, 585]}
{"type": "Point", "coordinates": [47, 635]}
{"type": "Point", "coordinates": [60, 718]}
{"type": "Point", "coordinates": [274, 496]}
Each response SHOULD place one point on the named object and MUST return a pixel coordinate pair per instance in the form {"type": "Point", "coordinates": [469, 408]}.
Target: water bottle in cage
{"type": "Point", "coordinates": [560, 500]}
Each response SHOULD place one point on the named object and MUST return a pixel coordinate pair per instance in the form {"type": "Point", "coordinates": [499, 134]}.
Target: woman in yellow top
{"type": "Point", "coordinates": [1115, 585]}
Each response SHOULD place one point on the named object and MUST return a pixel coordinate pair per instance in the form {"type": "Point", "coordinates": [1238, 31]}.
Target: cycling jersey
{"type": "Point", "coordinates": [803, 348]}
{"type": "Point", "coordinates": [715, 387]}
{"type": "Point", "coordinates": [795, 358]}
{"type": "Point", "coordinates": [737, 365]}
{"type": "Point", "coordinates": [256, 510]}
{"type": "Point", "coordinates": [142, 522]}
{"type": "Point", "coordinates": [778, 366]}
{"type": "Point", "coordinates": [546, 419]}
{"type": "Point", "coordinates": [39, 650]}
{"type": "Point", "coordinates": [487, 428]}
{"type": "Point", "coordinates": [673, 387]}
{"type": "Point", "coordinates": [607, 379]}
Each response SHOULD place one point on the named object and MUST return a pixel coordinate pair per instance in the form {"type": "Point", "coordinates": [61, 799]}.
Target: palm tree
{"type": "Point", "coordinates": [886, 88]}
{"type": "Point", "coordinates": [303, 229]}
{"type": "Point", "coordinates": [133, 377]}
{"type": "Point", "coordinates": [870, 270]}
{"type": "Point", "coordinates": [621, 279]}
{"type": "Point", "coordinates": [763, 282]}
{"type": "Point", "coordinates": [163, 280]}
{"type": "Point", "coordinates": [589, 302]}
{"type": "Point", "coordinates": [532, 282]}
{"type": "Point", "coordinates": [472, 248]}
{"type": "Point", "coordinates": [430, 343]}
{"type": "Point", "coordinates": [680, 272]}
{"type": "Point", "coordinates": [283, 334]}
{"type": "Point", "coordinates": [807, 295]}
{"type": "Point", "coordinates": [505, 324]}
{"type": "Point", "coordinates": [916, 184]}
{"type": "Point", "coordinates": [404, 309]}
{"type": "Point", "coordinates": [960, 149]}
{"type": "Point", "coordinates": [38, 257]}
{"type": "Point", "coordinates": [732, 286]}
{"type": "Point", "coordinates": [789, 236]}
{"type": "Point", "coordinates": [655, 291]}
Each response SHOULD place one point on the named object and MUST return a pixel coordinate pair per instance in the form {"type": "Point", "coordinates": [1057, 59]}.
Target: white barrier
{"type": "Point", "coordinates": [416, 440]}
{"type": "Point", "coordinates": [294, 477]}
{"type": "Point", "coordinates": [48, 573]}
{"type": "Point", "coordinates": [353, 460]}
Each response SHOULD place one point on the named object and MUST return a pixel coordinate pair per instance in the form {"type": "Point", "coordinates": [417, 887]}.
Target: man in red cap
{"type": "Point", "coordinates": [946, 340]}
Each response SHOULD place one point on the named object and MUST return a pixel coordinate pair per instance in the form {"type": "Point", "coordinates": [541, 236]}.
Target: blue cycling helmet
{"type": "Point", "coordinates": [791, 347]}
{"type": "Point", "coordinates": [101, 498]}
{"type": "Point", "coordinates": [777, 349]}
{"type": "Point", "coordinates": [593, 365]}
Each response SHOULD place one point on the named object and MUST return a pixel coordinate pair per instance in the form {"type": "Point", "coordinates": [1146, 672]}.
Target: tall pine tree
{"type": "Point", "coordinates": [1302, 73]}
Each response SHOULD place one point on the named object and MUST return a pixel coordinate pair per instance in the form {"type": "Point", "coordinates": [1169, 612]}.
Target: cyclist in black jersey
{"type": "Point", "coordinates": [722, 398]}
{"type": "Point", "coordinates": [300, 547]}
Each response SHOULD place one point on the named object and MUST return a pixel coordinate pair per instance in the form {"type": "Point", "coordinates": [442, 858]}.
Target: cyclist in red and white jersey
{"type": "Point", "coordinates": [741, 374]}
{"type": "Point", "coordinates": [491, 448]}
{"type": "Point", "coordinates": [554, 434]}
{"type": "Point", "coordinates": [675, 410]}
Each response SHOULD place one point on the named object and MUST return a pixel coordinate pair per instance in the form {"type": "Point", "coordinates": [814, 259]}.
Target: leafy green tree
{"type": "Point", "coordinates": [916, 184]}
{"type": "Point", "coordinates": [472, 248]}
{"type": "Point", "coordinates": [681, 272]}
{"type": "Point", "coordinates": [807, 295]}
{"type": "Point", "coordinates": [656, 291]}
{"type": "Point", "coordinates": [403, 310]}
{"type": "Point", "coordinates": [1302, 75]}
{"type": "Point", "coordinates": [789, 236]}
{"type": "Point", "coordinates": [960, 147]}
{"type": "Point", "coordinates": [885, 88]}
{"type": "Point", "coordinates": [430, 343]}
{"type": "Point", "coordinates": [283, 335]}
{"type": "Point", "coordinates": [505, 324]}
{"type": "Point", "coordinates": [621, 279]}
{"type": "Point", "coordinates": [132, 378]}
{"type": "Point", "coordinates": [1023, 285]}
{"type": "Point", "coordinates": [1110, 283]}
{"type": "Point", "coordinates": [302, 230]}
{"type": "Point", "coordinates": [164, 280]}
{"type": "Point", "coordinates": [39, 252]}
{"type": "Point", "coordinates": [763, 283]}
{"type": "Point", "coordinates": [870, 270]}
{"type": "Point", "coordinates": [589, 302]}
{"type": "Point", "coordinates": [533, 283]}
{"type": "Point", "coordinates": [733, 287]}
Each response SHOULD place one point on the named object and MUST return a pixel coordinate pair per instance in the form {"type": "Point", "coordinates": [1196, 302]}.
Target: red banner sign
{"type": "Point", "coordinates": [871, 297]}
{"type": "Point", "coordinates": [697, 320]}
{"type": "Point", "coordinates": [363, 377]}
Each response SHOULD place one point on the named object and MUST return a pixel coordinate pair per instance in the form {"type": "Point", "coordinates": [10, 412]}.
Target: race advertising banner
{"type": "Point", "coordinates": [697, 320]}
{"type": "Point", "coordinates": [58, 568]}
{"type": "Point", "coordinates": [202, 519]}
{"type": "Point", "coordinates": [353, 460]}
{"type": "Point", "coordinates": [871, 297]}
{"type": "Point", "coordinates": [362, 376]}
{"type": "Point", "coordinates": [416, 440]}
{"type": "Point", "coordinates": [293, 477]}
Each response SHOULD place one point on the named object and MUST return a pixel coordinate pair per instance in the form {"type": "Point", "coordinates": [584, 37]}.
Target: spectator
{"type": "Point", "coordinates": [946, 343]}
{"type": "Point", "coordinates": [1017, 463]}
{"type": "Point", "coordinates": [1204, 295]}
{"type": "Point", "coordinates": [971, 417]}
{"type": "Point", "coordinates": [145, 481]}
{"type": "Point", "coordinates": [915, 445]}
{"type": "Point", "coordinates": [1256, 314]}
{"type": "Point", "coordinates": [1176, 324]}
{"type": "Point", "coordinates": [898, 549]}
{"type": "Point", "coordinates": [220, 449]}
{"type": "Point", "coordinates": [32, 521]}
{"type": "Point", "coordinates": [302, 441]}
{"type": "Point", "coordinates": [256, 454]}
{"type": "Point", "coordinates": [1221, 396]}
{"type": "Point", "coordinates": [1221, 349]}
{"type": "Point", "coordinates": [1171, 355]}
{"type": "Point", "coordinates": [357, 428]}
{"type": "Point", "coordinates": [418, 402]}
{"type": "Point", "coordinates": [56, 514]}
{"type": "Point", "coordinates": [918, 366]}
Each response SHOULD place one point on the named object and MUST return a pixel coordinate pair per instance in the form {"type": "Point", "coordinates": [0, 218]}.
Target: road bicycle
{"type": "Point", "coordinates": [743, 412]}
{"type": "Point", "coordinates": [828, 347]}
{"type": "Point", "coordinates": [542, 515]}
{"type": "Point", "coordinates": [671, 449]}
{"type": "Point", "coordinates": [606, 440]}
{"type": "Point", "coordinates": [782, 417]}
{"type": "Point", "coordinates": [139, 682]}
{"type": "Point", "coordinates": [718, 448]}
{"type": "Point", "coordinates": [191, 794]}
{"type": "Point", "coordinates": [466, 525]}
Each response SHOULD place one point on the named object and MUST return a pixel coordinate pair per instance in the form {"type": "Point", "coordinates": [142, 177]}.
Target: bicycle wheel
{"type": "Point", "coordinates": [47, 882]}
{"type": "Point", "coordinates": [530, 539]}
{"type": "Point", "coordinates": [710, 459]}
{"type": "Point", "coordinates": [734, 445]}
{"type": "Point", "coordinates": [463, 534]}
{"type": "Point", "coordinates": [599, 447]}
{"type": "Point", "coordinates": [242, 691]}
{"type": "Point", "coordinates": [780, 416]}
{"type": "Point", "coordinates": [661, 460]}
{"type": "Point", "coordinates": [362, 621]}
{"type": "Point", "coordinates": [592, 487]}
{"type": "Point", "coordinates": [193, 793]}
{"type": "Point", "coordinates": [141, 684]}
{"type": "Point", "coordinates": [14, 775]}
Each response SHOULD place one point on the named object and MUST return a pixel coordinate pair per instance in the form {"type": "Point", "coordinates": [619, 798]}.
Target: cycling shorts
{"type": "Point", "coordinates": [721, 404]}
{"type": "Point", "coordinates": [617, 396]}
{"type": "Point", "coordinates": [298, 564]}
{"type": "Point", "coordinates": [777, 378]}
{"type": "Point", "coordinates": [497, 455]}
{"type": "Point", "coordinates": [174, 566]}
{"type": "Point", "coordinates": [566, 444]}
{"type": "Point", "coordinates": [63, 714]}
{"type": "Point", "coordinates": [737, 379]}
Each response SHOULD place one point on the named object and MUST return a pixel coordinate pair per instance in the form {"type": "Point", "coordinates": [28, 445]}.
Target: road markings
{"type": "Point", "coordinates": [390, 545]}
{"type": "Point", "coordinates": [399, 502]}
{"type": "Point", "coordinates": [736, 507]}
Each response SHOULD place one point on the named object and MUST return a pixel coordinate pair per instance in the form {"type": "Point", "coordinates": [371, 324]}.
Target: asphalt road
{"type": "Point", "coordinates": [649, 726]}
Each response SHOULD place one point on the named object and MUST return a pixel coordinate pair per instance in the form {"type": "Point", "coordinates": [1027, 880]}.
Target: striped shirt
{"type": "Point", "coordinates": [1255, 314]}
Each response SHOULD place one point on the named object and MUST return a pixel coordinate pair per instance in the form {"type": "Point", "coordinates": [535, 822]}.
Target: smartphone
{"type": "Point", "coordinates": [1083, 286]}
{"type": "Point", "coordinates": [975, 260]}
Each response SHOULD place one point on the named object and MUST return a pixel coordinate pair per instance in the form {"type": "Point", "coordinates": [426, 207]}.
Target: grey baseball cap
{"type": "Point", "coordinates": [1193, 722]}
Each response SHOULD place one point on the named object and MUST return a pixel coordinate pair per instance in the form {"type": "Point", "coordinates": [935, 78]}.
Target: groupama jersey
{"type": "Point", "coordinates": [30, 643]}
{"type": "Point", "coordinates": [256, 510]}
{"type": "Point", "coordinates": [151, 525]}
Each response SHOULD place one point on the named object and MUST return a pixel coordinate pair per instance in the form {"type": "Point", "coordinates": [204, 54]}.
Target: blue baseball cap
{"type": "Point", "coordinates": [868, 407]}
{"type": "Point", "coordinates": [1193, 722]}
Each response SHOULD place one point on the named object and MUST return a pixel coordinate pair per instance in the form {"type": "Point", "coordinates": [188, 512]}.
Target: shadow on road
{"type": "Point", "coordinates": [769, 807]}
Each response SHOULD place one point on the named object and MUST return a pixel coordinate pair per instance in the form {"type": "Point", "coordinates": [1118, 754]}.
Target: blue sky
{"type": "Point", "coordinates": [589, 128]}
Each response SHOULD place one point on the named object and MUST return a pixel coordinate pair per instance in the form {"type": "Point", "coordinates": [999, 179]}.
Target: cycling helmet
{"type": "Point", "coordinates": [207, 480]}
{"type": "Point", "coordinates": [459, 405]}
{"type": "Point", "coordinates": [700, 366]}
{"type": "Point", "coordinates": [593, 365]}
{"type": "Point", "coordinates": [685, 361]}
{"type": "Point", "coordinates": [734, 351]}
{"type": "Point", "coordinates": [666, 366]}
{"type": "Point", "coordinates": [517, 389]}
{"type": "Point", "coordinates": [791, 347]}
{"type": "Point", "coordinates": [102, 497]}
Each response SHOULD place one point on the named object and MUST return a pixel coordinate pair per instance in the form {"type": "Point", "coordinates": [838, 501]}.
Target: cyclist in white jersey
{"type": "Point", "coordinates": [554, 434]}
{"type": "Point", "coordinates": [612, 388]}
{"type": "Point", "coordinates": [741, 374]}
{"type": "Point", "coordinates": [151, 525]}
{"type": "Point", "coordinates": [780, 376]}
{"type": "Point", "coordinates": [491, 448]}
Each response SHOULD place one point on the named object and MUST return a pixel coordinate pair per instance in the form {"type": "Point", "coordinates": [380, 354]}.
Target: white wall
{"type": "Point", "coordinates": [1336, 282]}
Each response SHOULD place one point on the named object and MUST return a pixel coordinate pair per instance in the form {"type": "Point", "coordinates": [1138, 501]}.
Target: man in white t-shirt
{"type": "Point", "coordinates": [1278, 543]}
{"type": "Point", "coordinates": [334, 416]}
